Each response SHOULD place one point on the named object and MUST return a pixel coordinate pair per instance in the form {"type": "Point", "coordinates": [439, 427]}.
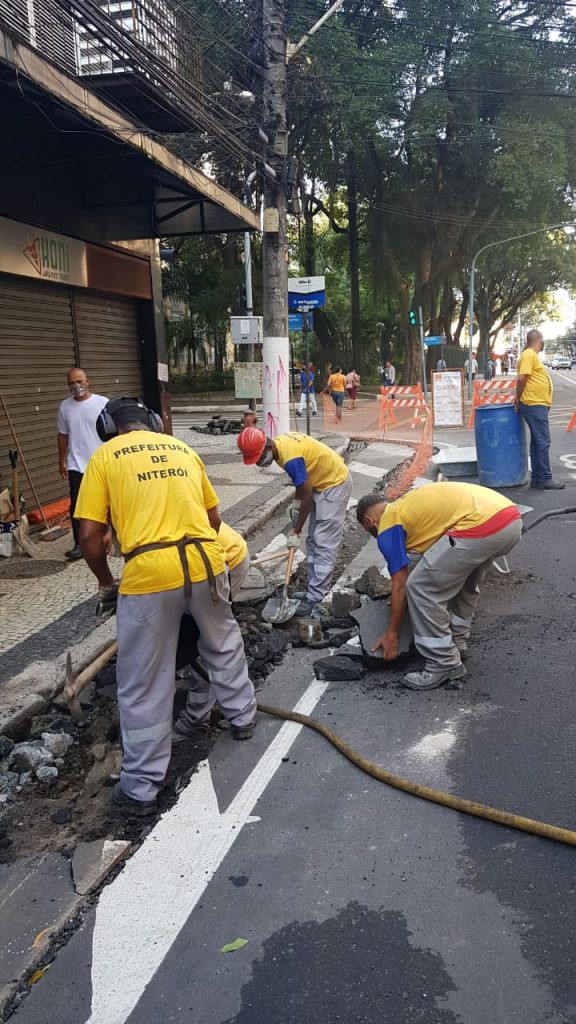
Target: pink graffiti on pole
{"type": "Point", "coordinates": [267, 377]}
{"type": "Point", "coordinates": [281, 383]}
{"type": "Point", "coordinates": [271, 425]}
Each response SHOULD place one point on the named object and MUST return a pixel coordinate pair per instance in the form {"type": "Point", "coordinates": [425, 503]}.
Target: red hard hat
{"type": "Point", "coordinates": [251, 442]}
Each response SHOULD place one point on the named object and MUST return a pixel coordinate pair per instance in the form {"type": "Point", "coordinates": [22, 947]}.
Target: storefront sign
{"type": "Point", "coordinates": [40, 254]}
{"type": "Point", "coordinates": [448, 399]}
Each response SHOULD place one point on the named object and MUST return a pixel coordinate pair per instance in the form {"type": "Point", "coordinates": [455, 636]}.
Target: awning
{"type": "Point", "coordinates": [77, 165]}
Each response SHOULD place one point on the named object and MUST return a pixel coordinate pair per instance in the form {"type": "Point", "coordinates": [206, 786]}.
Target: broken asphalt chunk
{"type": "Point", "coordinates": [338, 668]}
{"type": "Point", "coordinates": [93, 861]}
{"type": "Point", "coordinates": [373, 619]}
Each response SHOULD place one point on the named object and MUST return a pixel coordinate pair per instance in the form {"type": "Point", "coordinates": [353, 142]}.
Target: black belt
{"type": "Point", "coordinates": [181, 546]}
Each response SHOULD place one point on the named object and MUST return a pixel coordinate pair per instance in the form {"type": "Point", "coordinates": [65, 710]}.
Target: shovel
{"type": "Point", "coordinates": [280, 609]}
{"type": "Point", "coordinates": [20, 532]}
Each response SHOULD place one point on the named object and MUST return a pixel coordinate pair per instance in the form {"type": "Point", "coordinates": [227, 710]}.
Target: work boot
{"type": "Point", "coordinates": [196, 732]}
{"type": "Point", "coordinates": [305, 608]}
{"type": "Point", "coordinates": [299, 595]}
{"type": "Point", "coordinates": [429, 679]}
{"type": "Point", "coordinates": [243, 732]}
{"type": "Point", "coordinates": [74, 554]}
{"type": "Point", "coordinates": [548, 485]}
{"type": "Point", "coordinates": [133, 808]}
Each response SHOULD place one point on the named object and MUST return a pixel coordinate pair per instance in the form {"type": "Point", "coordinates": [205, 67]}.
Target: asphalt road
{"type": "Point", "coordinates": [359, 903]}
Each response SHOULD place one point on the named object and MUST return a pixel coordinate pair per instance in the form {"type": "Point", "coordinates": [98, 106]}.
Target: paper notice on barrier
{"type": "Point", "coordinates": [448, 398]}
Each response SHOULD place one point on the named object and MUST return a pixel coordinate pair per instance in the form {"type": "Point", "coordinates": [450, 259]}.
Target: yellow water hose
{"type": "Point", "coordinates": [436, 796]}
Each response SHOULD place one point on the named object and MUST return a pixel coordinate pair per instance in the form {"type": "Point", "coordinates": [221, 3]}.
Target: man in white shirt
{"type": "Point", "coordinates": [77, 440]}
{"type": "Point", "coordinates": [474, 367]}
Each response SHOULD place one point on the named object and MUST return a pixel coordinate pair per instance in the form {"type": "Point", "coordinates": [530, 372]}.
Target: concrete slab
{"type": "Point", "coordinates": [93, 861]}
{"type": "Point", "coordinates": [457, 462]}
{"type": "Point", "coordinates": [37, 898]}
{"type": "Point", "coordinates": [373, 618]}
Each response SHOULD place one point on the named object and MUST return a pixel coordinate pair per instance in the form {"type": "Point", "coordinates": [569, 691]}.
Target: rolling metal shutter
{"type": "Point", "coordinates": [108, 343]}
{"type": "Point", "coordinates": [36, 351]}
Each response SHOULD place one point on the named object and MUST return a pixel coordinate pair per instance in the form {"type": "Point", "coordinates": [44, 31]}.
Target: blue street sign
{"type": "Point", "coordinates": [306, 293]}
{"type": "Point", "coordinates": [436, 339]}
{"type": "Point", "coordinates": [295, 321]}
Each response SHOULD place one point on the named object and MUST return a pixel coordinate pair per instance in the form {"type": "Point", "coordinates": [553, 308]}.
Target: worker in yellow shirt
{"type": "Point", "coordinates": [533, 401]}
{"type": "Point", "coordinates": [458, 529]}
{"type": "Point", "coordinates": [194, 720]}
{"type": "Point", "coordinates": [323, 488]}
{"type": "Point", "coordinates": [336, 387]}
{"type": "Point", "coordinates": [155, 493]}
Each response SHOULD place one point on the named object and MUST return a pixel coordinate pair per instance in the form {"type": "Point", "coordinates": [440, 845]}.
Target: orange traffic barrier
{"type": "Point", "coordinates": [404, 396]}
{"type": "Point", "coordinates": [405, 420]}
{"type": "Point", "coordinates": [572, 423]}
{"type": "Point", "coordinates": [491, 392]}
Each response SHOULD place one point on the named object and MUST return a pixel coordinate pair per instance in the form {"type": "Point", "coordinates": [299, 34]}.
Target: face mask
{"type": "Point", "coordinates": [266, 458]}
{"type": "Point", "coordinates": [78, 390]}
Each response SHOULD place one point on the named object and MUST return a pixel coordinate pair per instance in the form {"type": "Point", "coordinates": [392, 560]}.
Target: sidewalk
{"type": "Point", "coordinates": [47, 604]}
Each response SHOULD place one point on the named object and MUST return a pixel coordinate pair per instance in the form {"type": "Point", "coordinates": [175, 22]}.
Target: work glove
{"type": "Point", "coordinates": [293, 540]}
{"type": "Point", "coordinates": [294, 512]}
{"type": "Point", "coordinates": [107, 601]}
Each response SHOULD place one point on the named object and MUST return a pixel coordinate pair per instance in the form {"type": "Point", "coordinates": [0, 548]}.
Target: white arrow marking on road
{"type": "Point", "coordinates": [141, 913]}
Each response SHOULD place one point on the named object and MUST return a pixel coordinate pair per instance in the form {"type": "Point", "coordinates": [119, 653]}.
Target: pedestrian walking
{"type": "Point", "coordinates": [389, 375]}
{"type": "Point", "coordinates": [194, 720]}
{"type": "Point", "coordinates": [504, 364]}
{"type": "Point", "coordinates": [471, 367]}
{"type": "Point", "coordinates": [323, 487]}
{"type": "Point", "coordinates": [307, 387]}
{"type": "Point", "coordinates": [459, 529]}
{"type": "Point", "coordinates": [352, 385]}
{"type": "Point", "coordinates": [336, 387]}
{"type": "Point", "coordinates": [441, 365]}
{"type": "Point", "coordinates": [155, 492]}
{"type": "Point", "coordinates": [77, 440]}
{"type": "Point", "coordinates": [533, 400]}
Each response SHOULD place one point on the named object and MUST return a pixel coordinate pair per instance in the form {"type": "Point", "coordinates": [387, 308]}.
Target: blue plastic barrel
{"type": "Point", "coordinates": [501, 448]}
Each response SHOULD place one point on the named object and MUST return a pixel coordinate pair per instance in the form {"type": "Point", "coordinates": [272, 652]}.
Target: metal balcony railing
{"type": "Point", "coordinates": [140, 54]}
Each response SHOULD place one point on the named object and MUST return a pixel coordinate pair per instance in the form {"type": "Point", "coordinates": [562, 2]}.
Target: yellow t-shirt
{"type": "Point", "coordinates": [538, 388]}
{"type": "Point", "coordinates": [417, 520]}
{"type": "Point", "coordinates": [337, 382]}
{"type": "Point", "coordinates": [152, 487]}
{"type": "Point", "coordinates": [235, 547]}
{"type": "Point", "coordinates": [305, 458]}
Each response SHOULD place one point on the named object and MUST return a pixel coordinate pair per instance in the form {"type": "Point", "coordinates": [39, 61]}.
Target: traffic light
{"type": "Point", "coordinates": [413, 318]}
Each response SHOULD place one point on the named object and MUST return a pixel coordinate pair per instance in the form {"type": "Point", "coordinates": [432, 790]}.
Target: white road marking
{"type": "Point", "coordinates": [364, 469]}
{"type": "Point", "coordinates": [571, 380]}
{"type": "Point", "coordinates": [141, 913]}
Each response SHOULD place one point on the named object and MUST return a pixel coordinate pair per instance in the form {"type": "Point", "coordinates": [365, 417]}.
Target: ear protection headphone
{"type": "Point", "coordinates": [106, 427]}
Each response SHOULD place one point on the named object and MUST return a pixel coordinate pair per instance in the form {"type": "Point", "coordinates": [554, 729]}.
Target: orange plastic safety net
{"type": "Point", "coordinates": [396, 416]}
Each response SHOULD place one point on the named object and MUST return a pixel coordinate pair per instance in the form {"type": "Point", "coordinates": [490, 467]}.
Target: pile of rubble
{"type": "Point", "coordinates": [218, 424]}
{"type": "Point", "coordinates": [33, 760]}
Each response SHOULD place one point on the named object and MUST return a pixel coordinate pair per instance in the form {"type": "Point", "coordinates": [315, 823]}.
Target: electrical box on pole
{"type": "Point", "coordinates": [246, 330]}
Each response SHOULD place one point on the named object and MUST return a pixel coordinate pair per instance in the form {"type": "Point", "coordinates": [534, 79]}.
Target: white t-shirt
{"type": "Point", "coordinates": [78, 421]}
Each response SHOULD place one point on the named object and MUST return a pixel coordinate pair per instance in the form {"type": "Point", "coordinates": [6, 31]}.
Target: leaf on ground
{"type": "Point", "coordinates": [37, 975]}
{"type": "Point", "coordinates": [232, 946]}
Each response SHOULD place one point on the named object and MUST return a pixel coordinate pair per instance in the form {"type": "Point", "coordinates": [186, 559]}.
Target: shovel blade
{"type": "Point", "coordinates": [279, 610]}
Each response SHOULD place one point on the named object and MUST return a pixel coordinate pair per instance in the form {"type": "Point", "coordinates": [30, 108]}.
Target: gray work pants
{"type": "Point", "coordinates": [443, 591]}
{"type": "Point", "coordinates": [201, 696]}
{"type": "Point", "coordinates": [325, 529]}
{"type": "Point", "coordinates": [148, 626]}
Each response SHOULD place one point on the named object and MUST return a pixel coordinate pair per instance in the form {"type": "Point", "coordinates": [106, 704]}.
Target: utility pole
{"type": "Point", "coordinates": [248, 274]}
{"type": "Point", "coordinates": [276, 347]}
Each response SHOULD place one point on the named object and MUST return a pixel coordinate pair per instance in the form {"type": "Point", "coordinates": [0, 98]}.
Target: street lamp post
{"type": "Point", "coordinates": [380, 327]}
{"type": "Point", "coordinates": [501, 241]}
